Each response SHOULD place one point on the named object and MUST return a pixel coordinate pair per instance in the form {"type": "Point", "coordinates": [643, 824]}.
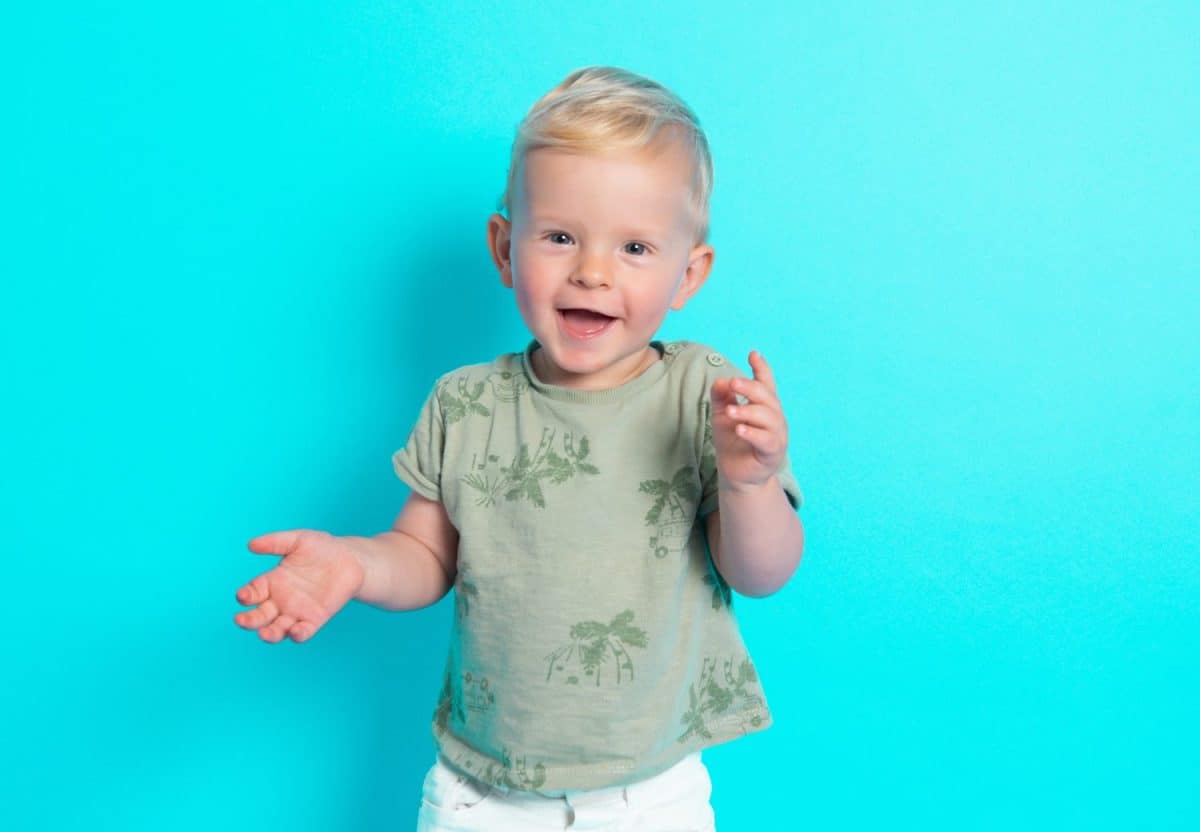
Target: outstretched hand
{"type": "Point", "coordinates": [319, 573]}
{"type": "Point", "coordinates": [750, 438]}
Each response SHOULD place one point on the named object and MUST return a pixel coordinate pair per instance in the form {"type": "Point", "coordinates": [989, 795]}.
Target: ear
{"type": "Point", "coordinates": [499, 237]}
{"type": "Point", "coordinates": [700, 263]}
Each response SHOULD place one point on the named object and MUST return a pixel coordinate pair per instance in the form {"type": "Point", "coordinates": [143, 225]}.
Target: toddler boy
{"type": "Point", "coordinates": [572, 494]}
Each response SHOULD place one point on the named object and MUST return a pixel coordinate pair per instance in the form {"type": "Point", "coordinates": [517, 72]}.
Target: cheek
{"type": "Point", "coordinates": [533, 275]}
{"type": "Point", "coordinates": [525, 268]}
{"type": "Point", "coordinates": [526, 297]}
{"type": "Point", "coordinates": [527, 286]}
{"type": "Point", "coordinates": [653, 297]}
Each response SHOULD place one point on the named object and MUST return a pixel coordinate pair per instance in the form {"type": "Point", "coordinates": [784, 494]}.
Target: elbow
{"type": "Point", "coordinates": [761, 586]}
{"type": "Point", "coordinates": [753, 591]}
{"type": "Point", "coordinates": [764, 581]}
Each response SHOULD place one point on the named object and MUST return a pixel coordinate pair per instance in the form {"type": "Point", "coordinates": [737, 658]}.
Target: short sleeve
{"type": "Point", "coordinates": [709, 489]}
{"type": "Point", "coordinates": [419, 462]}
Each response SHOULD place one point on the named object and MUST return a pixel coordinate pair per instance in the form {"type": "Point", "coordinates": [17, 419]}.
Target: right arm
{"type": "Point", "coordinates": [413, 565]}
{"type": "Point", "coordinates": [406, 568]}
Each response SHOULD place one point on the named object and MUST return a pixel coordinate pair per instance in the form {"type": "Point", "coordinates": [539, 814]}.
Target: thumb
{"type": "Point", "coordinates": [721, 394]}
{"type": "Point", "coordinates": [276, 543]}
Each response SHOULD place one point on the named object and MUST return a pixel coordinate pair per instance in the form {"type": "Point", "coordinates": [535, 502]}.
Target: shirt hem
{"type": "Point", "coordinates": [559, 779]}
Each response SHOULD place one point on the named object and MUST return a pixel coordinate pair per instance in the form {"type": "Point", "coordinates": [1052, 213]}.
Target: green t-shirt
{"type": "Point", "coordinates": [593, 642]}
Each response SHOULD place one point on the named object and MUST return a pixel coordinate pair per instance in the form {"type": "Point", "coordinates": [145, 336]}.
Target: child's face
{"type": "Point", "coordinates": [599, 248]}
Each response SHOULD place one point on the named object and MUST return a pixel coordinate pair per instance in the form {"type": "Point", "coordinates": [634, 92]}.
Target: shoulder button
{"type": "Point", "coordinates": [715, 359]}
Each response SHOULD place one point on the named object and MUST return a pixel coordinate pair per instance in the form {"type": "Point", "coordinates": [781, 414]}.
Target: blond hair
{"type": "Point", "coordinates": [604, 108]}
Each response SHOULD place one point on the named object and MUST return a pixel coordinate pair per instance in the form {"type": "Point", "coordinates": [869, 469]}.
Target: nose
{"type": "Point", "coordinates": [592, 271]}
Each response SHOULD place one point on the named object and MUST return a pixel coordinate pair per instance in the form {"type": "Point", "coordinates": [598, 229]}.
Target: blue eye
{"type": "Point", "coordinates": [639, 245]}
{"type": "Point", "coordinates": [554, 235]}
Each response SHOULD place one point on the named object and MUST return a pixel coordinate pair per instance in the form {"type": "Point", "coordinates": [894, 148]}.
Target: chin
{"type": "Point", "coordinates": [578, 365]}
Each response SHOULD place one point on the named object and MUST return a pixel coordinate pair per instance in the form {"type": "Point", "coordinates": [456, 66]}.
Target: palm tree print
{"type": "Point", "coordinates": [465, 403]}
{"type": "Point", "coordinates": [712, 699]}
{"type": "Point", "coordinates": [522, 478]}
{"type": "Point", "coordinates": [592, 642]}
{"type": "Point", "coordinates": [678, 498]}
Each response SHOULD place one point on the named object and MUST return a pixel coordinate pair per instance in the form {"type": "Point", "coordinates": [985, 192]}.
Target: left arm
{"type": "Point", "coordinates": [755, 536]}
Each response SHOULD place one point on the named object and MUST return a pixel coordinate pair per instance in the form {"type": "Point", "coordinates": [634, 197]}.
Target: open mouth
{"type": "Point", "coordinates": [584, 323]}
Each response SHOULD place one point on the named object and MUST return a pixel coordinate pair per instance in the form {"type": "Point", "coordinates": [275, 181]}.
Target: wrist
{"type": "Point", "coordinates": [363, 561]}
{"type": "Point", "coordinates": [746, 489]}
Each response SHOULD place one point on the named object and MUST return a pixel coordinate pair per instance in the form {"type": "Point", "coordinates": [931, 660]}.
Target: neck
{"type": "Point", "coordinates": [554, 375]}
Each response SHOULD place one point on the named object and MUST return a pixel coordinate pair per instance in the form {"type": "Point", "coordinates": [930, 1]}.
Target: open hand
{"type": "Point", "coordinates": [750, 439]}
{"type": "Point", "coordinates": [319, 573]}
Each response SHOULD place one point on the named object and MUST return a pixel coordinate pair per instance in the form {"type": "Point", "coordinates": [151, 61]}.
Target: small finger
{"type": "Point", "coordinates": [762, 370]}
{"type": "Point", "coordinates": [722, 393]}
{"type": "Point", "coordinates": [301, 631]}
{"type": "Point", "coordinates": [258, 617]}
{"type": "Point", "coordinates": [754, 390]}
{"type": "Point", "coordinates": [278, 629]}
{"type": "Point", "coordinates": [755, 415]}
{"type": "Point", "coordinates": [763, 441]}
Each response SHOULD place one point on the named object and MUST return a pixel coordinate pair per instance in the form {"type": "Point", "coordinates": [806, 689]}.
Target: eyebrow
{"type": "Point", "coordinates": [627, 231]}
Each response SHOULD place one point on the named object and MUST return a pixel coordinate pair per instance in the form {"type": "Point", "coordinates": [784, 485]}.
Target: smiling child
{"type": "Point", "coordinates": [594, 499]}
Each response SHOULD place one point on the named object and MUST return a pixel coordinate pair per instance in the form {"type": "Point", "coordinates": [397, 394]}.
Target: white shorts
{"type": "Point", "coordinates": [674, 801]}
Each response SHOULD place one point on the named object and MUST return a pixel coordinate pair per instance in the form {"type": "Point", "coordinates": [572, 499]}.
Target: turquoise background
{"type": "Point", "coordinates": [242, 239]}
